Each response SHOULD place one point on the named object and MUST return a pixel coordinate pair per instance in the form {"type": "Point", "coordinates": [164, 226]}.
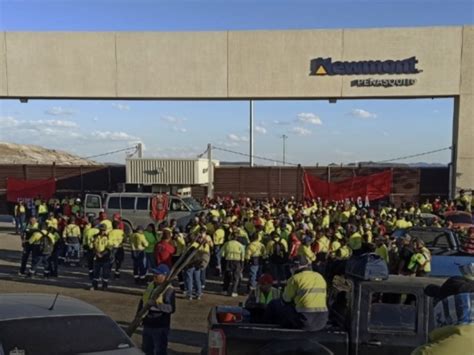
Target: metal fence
{"type": "Point", "coordinates": [409, 184]}
{"type": "Point", "coordinates": [70, 179]}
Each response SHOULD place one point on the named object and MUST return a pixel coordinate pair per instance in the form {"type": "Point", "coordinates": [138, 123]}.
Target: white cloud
{"type": "Point", "coordinates": [179, 129]}
{"type": "Point", "coordinates": [360, 113]}
{"type": "Point", "coordinates": [49, 131]}
{"type": "Point", "coordinates": [172, 119]}
{"type": "Point", "coordinates": [59, 111]}
{"type": "Point", "coordinates": [176, 123]}
{"type": "Point", "coordinates": [113, 136]}
{"type": "Point", "coordinates": [309, 118]}
{"type": "Point", "coordinates": [8, 122]}
{"type": "Point", "coordinates": [121, 107]}
{"type": "Point", "coordinates": [301, 131]}
{"type": "Point", "coordinates": [281, 123]}
{"type": "Point", "coordinates": [235, 138]}
{"type": "Point", "coordinates": [55, 130]}
{"type": "Point", "coordinates": [260, 129]}
{"type": "Point", "coordinates": [55, 123]}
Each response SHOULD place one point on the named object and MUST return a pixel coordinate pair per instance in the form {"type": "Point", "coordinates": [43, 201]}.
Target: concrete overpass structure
{"type": "Point", "coordinates": [233, 65]}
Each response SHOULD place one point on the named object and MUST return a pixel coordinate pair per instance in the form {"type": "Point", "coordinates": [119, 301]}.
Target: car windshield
{"type": "Point", "coordinates": [192, 203]}
{"type": "Point", "coordinates": [62, 335]}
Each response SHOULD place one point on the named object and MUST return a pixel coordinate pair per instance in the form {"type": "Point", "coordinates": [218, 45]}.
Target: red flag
{"type": "Point", "coordinates": [159, 207]}
{"type": "Point", "coordinates": [373, 186]}
{"type": "Point", "coordinates": [21, 189]}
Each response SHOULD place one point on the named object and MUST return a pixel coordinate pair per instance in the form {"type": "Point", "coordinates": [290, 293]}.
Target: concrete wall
{"type": "Point", "coordinates": [61, 64]}
{"type": "Point", "coordinates": [173, 65]}
{"type": "Point", "coordinates": [276, 63]}
{"type": "Point", "coordinates": [228, 65]}
{"type": "Point", "coordinates": [242, 65]}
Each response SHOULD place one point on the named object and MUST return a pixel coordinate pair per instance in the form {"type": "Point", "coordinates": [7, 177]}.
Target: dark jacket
{"type": "Point", "coordinates": [159, 316]}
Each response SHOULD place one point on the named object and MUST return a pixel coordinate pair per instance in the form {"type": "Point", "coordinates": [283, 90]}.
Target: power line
{"type": "Point", "coordinates": [416, 155]}
{"type": "Point", "coordinates": [104, 154]}
{"type": "Point", "coordinates": [202, 154]}
{"type": "Point", "coordinates": [255, 156]}
{"type": "Point", "coordinates": [109, 153]}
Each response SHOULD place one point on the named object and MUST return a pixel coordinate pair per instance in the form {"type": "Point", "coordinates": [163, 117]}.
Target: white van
{"type": "Point", "coordinates": [135, 208]}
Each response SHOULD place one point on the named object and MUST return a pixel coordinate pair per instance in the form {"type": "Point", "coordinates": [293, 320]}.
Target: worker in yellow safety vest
{"type": "Point", "coordinates": [156, 324]}
{"type": "Point", "coordinates": [303, 303]}
{"type": "Point", "coordinates": [218, 237]}
{"type": "Point", "coordinates": [254, 255]}
{"type": "Point", "coordinates": [42, 211]}
{"type": "Point", "coordinates": [102, 259]}
{"type": "Point", "coordinates": [42, 242]}
{"type": "Point", "coordinates": [116, 239]}
{"type": "Point", "coordinates": [72, 238]}
{"type": "Point", "coordinates": [234, 254]}
{"type": "Point", "coordinates": [20, 217]}
{"type": "Point", "coordinates": [263, 294]}
{"type": "Point", "coordinates": [139, 243]}
{"type": "Point", "coordinates": [420, 262]}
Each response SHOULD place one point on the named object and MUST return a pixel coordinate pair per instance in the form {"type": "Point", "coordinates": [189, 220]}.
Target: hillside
{"type": "Point", "coordinates": [11, 153]}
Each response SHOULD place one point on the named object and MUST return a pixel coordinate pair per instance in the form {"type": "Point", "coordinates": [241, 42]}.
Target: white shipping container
{"type": "Point", "coordinates": [167, 171]}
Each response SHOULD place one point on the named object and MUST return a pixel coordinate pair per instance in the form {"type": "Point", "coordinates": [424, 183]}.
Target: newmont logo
{"type": "Point", "coordinates": [325, 66]}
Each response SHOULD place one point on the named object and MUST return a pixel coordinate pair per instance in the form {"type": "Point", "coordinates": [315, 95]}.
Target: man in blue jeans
{"type": "Point", "coordinates": [156, 324]}
{"type": "Point", "coordinates": [192, 281]}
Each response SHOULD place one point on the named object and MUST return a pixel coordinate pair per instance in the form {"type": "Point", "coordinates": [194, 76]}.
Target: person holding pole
{"type": "Point", "coordinates": [156, 323]}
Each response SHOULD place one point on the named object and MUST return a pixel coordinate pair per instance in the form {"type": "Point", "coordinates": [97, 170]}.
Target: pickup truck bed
{"type": "Point", "coordinates": [390, 317]}
{"type": "Point", "coordinates": [247, 338]}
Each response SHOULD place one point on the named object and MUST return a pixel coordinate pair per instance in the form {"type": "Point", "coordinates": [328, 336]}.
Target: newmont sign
{"type": "Point", "coordinates": [238, 65]}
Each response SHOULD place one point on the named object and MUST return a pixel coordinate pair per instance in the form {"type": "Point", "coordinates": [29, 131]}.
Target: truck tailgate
{"type": "Point", "coordinates": [250, 338]}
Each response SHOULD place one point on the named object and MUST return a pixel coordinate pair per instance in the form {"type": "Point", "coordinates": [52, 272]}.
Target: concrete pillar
{"type": "Point", "coordinates": [463, 143]}
{"type": "Point", "coordinates": [463, 128]}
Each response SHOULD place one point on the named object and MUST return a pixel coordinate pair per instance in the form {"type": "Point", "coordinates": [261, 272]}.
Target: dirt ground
{"type": "Point", "coordinates": [189, 323]}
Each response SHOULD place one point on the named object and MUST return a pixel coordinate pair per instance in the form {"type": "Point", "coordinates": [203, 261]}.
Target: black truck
{"type": "Point", "coordinates": [366, 318]}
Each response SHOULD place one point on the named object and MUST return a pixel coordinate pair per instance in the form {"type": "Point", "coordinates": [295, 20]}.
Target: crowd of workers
{"type": "Point", "coordinates": [255, 236]}
{"type": "Point", "coordinates": [284, 247]}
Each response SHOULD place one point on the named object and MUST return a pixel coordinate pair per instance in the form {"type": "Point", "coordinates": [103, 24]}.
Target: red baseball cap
{"type": "Point", "coordinates": [265, 279]}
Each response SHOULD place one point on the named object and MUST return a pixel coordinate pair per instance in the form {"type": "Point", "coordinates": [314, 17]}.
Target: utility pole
{"type": "Point", "coordinates": [284, 137]}
{"type": "Point", "coordinates": [251, 134]}
{"type": "Point", "coordinates": [210, 172]}
{"type": "Point", "coordinates": [140, 150]}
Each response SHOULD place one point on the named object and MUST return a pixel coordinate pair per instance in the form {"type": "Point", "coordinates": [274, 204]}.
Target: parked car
{"type": "Point", "coordinates": [447, 253]}
{"type": "Point", "coordinates": [390, 317]}
{"type": "Point", "coordinates": [38, 324]}
{"type": "Point", "coordinates": [460, 219]}
{"type": "Point", "coordinates": [136, 208]}
{"type": "Point", "coordinates": [429, 218]}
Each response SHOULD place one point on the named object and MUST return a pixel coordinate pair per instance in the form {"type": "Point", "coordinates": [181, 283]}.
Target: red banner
{"type": "Point", "coordinates": [373, 187]}
{"type": "Point", "coordinates": [159, 207]}
{"type": "Point", "coordinates": [23, 189]}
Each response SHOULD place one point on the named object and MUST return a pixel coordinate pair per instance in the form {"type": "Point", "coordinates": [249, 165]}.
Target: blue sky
{"type": "Point", "coordinates": [319, 132]}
